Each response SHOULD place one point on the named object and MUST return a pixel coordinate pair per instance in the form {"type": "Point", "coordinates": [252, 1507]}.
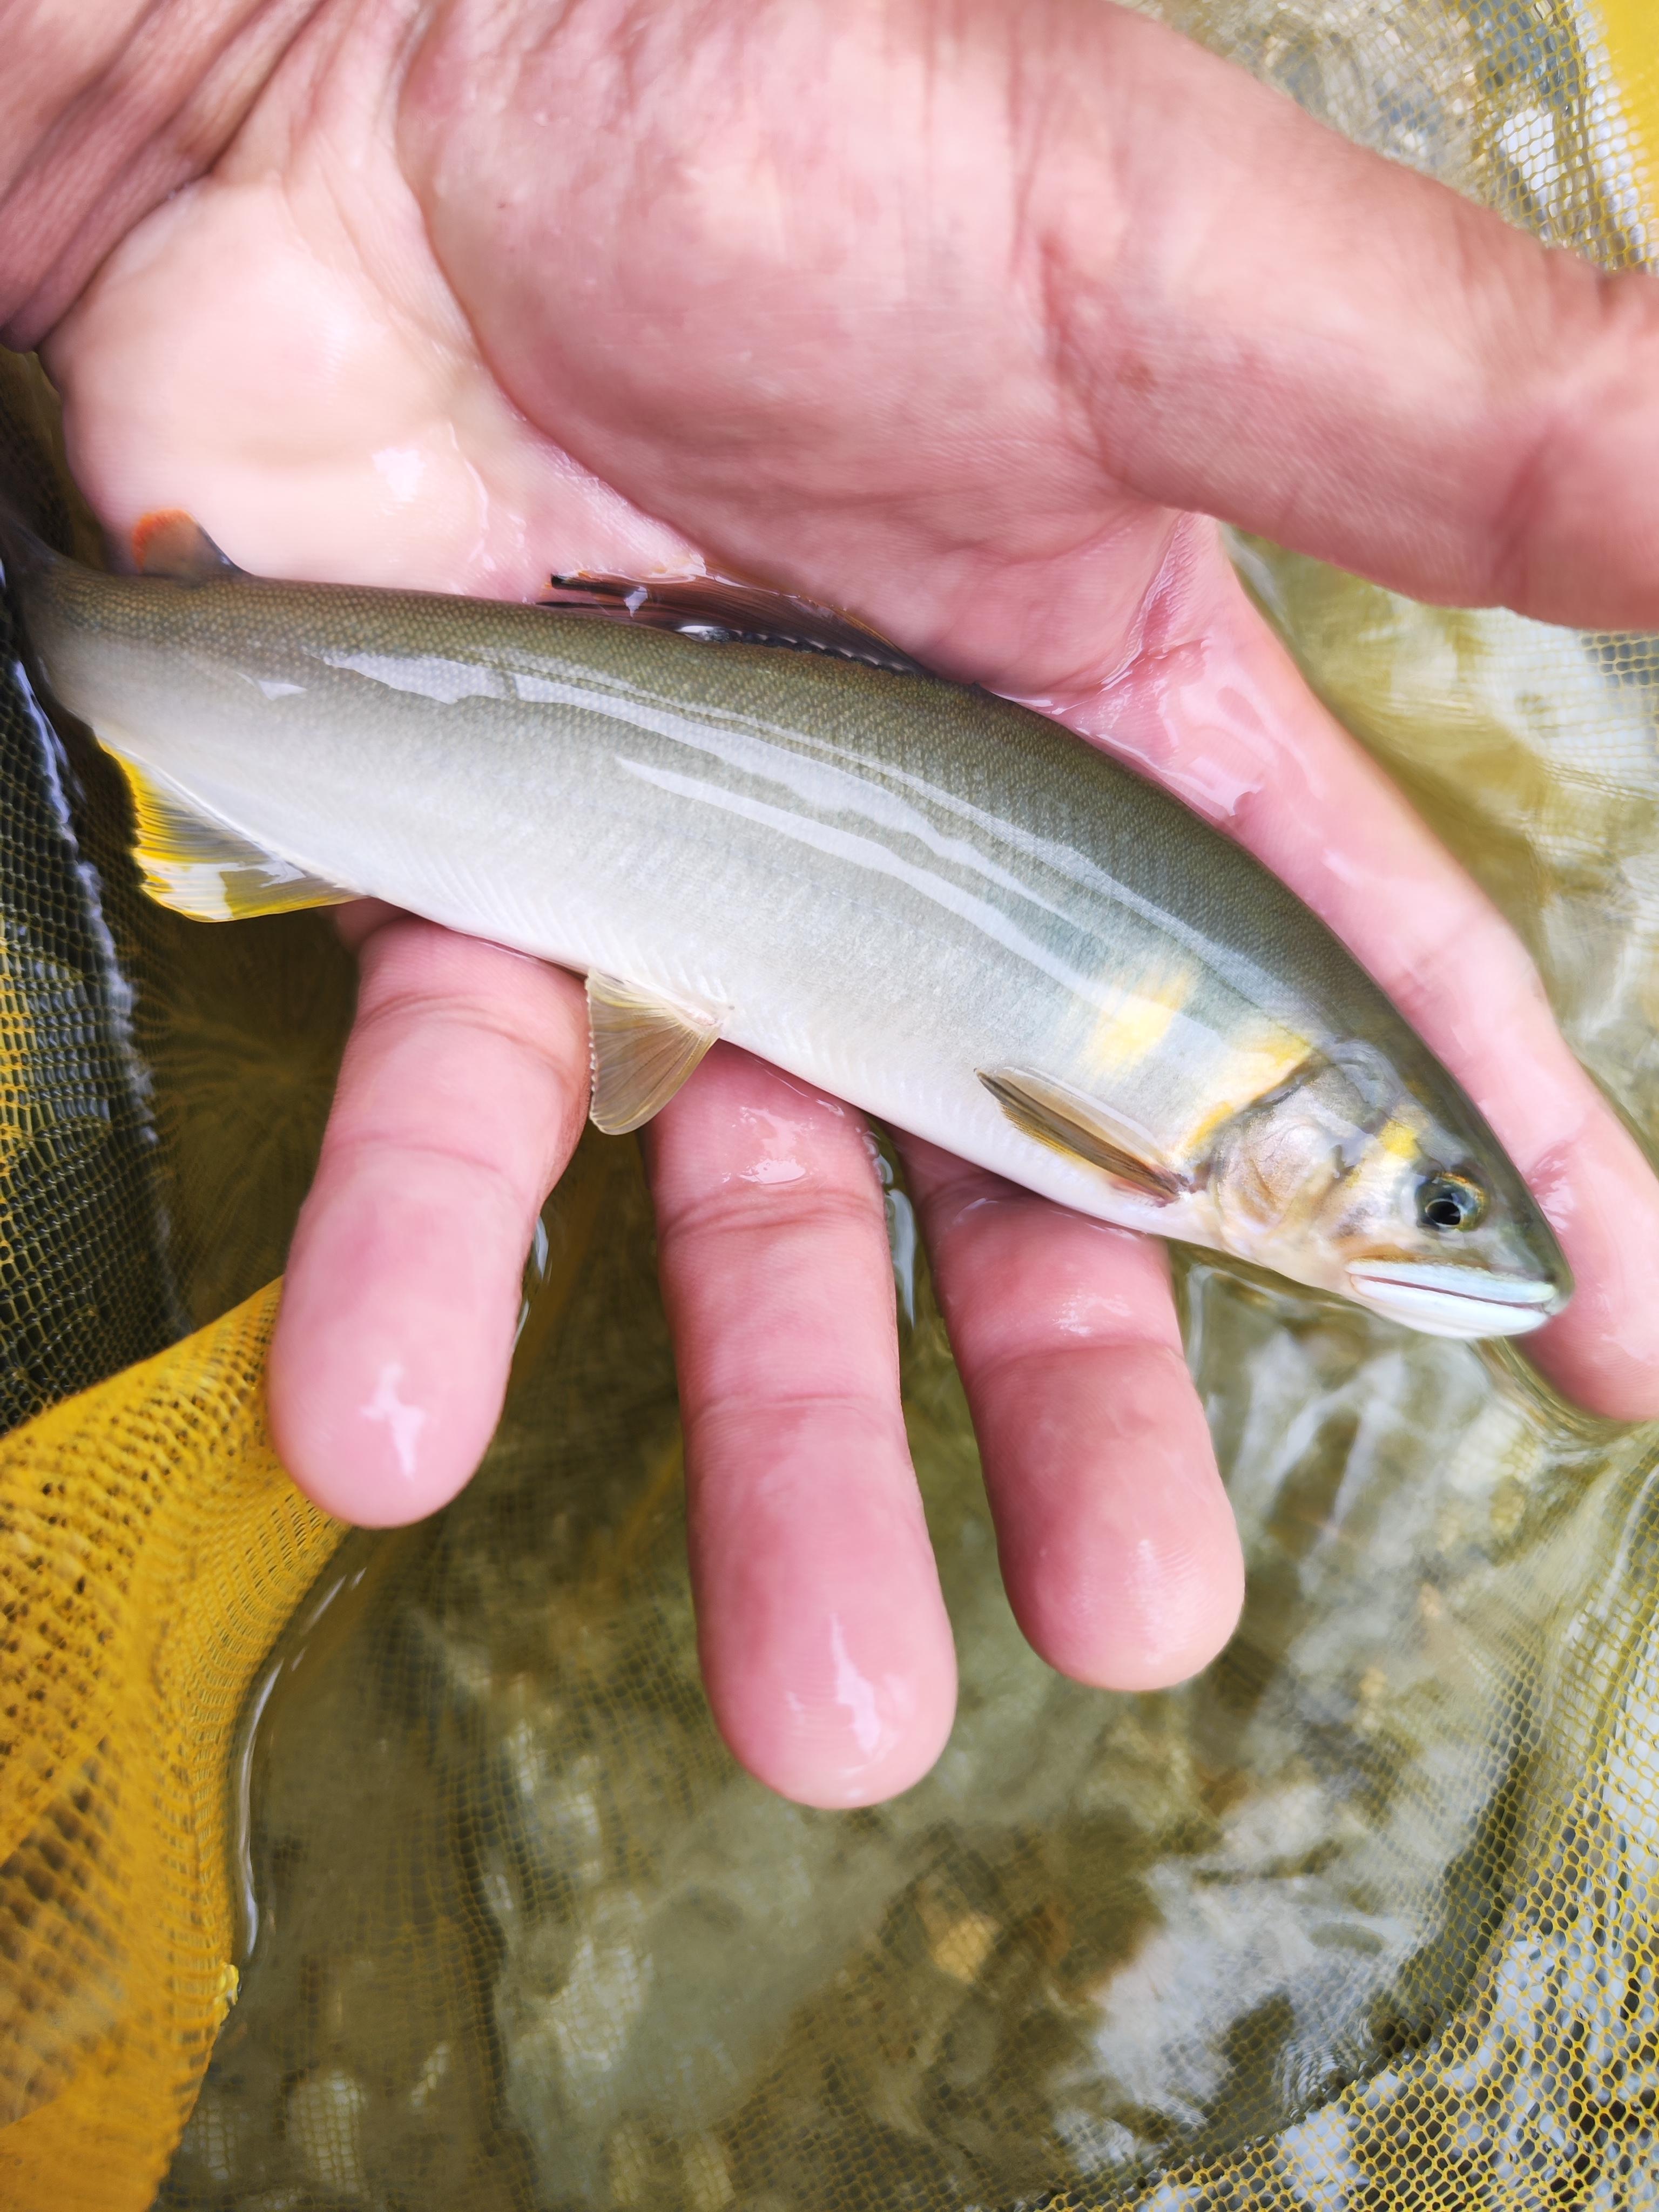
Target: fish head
{"type": "Point", "coordinates": [1387, 1186]}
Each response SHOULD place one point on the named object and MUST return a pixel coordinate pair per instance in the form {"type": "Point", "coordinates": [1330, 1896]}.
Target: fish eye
{"type": "Point", "coordinates": [1446, 1202]}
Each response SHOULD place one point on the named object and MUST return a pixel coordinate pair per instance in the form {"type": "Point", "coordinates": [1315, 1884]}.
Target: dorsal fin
{"type": "Point", "coordinates": [169, 542]}
{"type": "Point", "coordinates": [193, 863]}
{"type": "Point", "coordinates": [1056, 1115]}
{"type": "Point", "coordinates": [644, 1047]}
{"type": "Point", "coordinates": [722, 612]}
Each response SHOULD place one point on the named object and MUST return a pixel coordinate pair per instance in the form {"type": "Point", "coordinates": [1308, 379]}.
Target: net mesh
{"type": "Point", "coordinates": [1367, 1917]}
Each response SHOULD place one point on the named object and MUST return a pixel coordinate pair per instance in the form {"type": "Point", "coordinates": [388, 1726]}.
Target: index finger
{"type": "Point", "coordinates": [461, 1096]}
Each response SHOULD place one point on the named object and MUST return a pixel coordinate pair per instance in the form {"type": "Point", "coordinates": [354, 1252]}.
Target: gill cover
{"type": "Point", "coordinates": [1338, 1178]}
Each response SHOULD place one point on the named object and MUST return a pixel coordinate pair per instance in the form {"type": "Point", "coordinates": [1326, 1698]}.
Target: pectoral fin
{"type": "Point", "coordinates": [643, 1048]}
{"type": "Point", "coordinates": [1056, 1115]}
{"type": "Point", "coordinates": [195, 864]}
{"type": "Point", "coordinates": [172, 543]}
{"type": "Point", "coordinates": [720, 612]}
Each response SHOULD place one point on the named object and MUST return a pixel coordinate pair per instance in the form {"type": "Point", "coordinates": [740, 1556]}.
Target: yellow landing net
{"type": "Point", "coordinates": [1368, 1918]}
{"type": "Point", "coordinates": [152, 1543]}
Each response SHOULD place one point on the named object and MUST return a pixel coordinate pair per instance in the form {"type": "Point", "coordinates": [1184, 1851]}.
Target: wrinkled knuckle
{"type": "Point", "coordinates": [478, 1183]}
{"type": "Point", "coordinates": [459, 1027]}
{"type": "Point", "coordinates": [727, 1408]}
{"type": "Point", "coordinates": [1484, 945]}
{"type": "Point", "coordinates": [738, 1210]}
{"type": "Point", "coordinates": [1605, 324]}
{"type": "Point", "coordinates": [1147, 1376]}
{"type": "Point", "coordinates": [968, 1201]}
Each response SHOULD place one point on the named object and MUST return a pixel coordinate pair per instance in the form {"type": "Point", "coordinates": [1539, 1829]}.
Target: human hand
{"type": "Point", "coordinates": [963, 326]}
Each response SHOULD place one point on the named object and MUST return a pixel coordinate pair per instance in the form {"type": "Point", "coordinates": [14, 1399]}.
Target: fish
{"type": "Point", "coordinates": [739, 815]}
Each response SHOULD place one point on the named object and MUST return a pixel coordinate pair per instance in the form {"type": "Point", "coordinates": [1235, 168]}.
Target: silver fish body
{"type": "Point", "coordinates": [924, 899]}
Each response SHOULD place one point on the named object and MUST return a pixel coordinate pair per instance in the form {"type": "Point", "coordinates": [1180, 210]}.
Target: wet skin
{"type": "Point", "coordinates": [963, 319]}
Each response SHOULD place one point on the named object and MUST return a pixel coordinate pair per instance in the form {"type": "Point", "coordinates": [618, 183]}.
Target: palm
{"type": "Point", "coordinates": [886, 352]}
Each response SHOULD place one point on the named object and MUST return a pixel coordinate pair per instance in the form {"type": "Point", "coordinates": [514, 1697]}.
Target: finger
{"type": "Point", "coordinates": [1300, 337]}
{"type": "Point", "coordinates": [1118, 1542]}
{"type": "Point", "coordinates": [1212, 706]}
{"type": "Point", "coordinates": [824, 1643]}
{"type": "Point", "coordinates": [460, 1098]}
{"type": "Point", "coordinates": [1144, 274]}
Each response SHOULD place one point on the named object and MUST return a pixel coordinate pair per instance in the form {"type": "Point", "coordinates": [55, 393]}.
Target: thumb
{"type": "Point", "coordinates": [895, 304]}
{"type": "Point", "coordinates": [1299, 336]}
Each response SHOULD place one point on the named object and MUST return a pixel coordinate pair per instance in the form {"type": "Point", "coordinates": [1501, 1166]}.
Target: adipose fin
{"type": "Point", "coordinates": [170, 542]}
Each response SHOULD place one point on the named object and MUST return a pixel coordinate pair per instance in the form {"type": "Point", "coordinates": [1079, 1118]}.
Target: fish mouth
{"type": "Point", "coordinates": [1441, 1301]}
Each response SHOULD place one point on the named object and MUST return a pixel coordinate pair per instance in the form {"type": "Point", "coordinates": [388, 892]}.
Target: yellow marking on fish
{"type": "Point", "coordinates": [1399, 1139]}
{"type": "Point", "coordinates": [1135, 1023]}
{"type": "Point", "coordinates": [1257, 1061]}
{"type": "Point", "coordinates": [195, 865]}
